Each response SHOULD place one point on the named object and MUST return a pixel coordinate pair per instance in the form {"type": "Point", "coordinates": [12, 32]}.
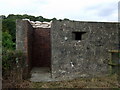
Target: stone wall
{"type": "Point", "coordinates": [88, 56]}
{"type": "Point", "coordinates": [24, 41]}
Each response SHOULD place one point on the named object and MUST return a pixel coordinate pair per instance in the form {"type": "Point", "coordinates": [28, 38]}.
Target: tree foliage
{"type": "Point", "coordinates": [7, 41]}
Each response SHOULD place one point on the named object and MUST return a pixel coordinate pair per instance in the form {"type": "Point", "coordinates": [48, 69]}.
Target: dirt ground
{"type": "Point", "coordinates": [110, 81]}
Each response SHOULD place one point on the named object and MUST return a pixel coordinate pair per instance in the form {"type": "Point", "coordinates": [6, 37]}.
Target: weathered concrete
{"type": "Point", "coordinates": [43, 74]}
{"type": "Point", "coordinates": [86, 57]}
{"type": "Point", "coordinates": [24, 39]}
{"type": "Point", "coordinates": [77, 49]}
{"type": "Point", "coordinates": [40, 74]}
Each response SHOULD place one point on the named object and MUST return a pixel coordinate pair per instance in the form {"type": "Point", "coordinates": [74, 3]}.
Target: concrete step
{"type": "Point", "coordinates": [40, 74]}
{"type": "Point", "coordinates": [43, 74]}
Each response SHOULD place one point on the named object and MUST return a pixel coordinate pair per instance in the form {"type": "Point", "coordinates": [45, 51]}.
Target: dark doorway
{"type": "Point", "coordinates": [41, 48]}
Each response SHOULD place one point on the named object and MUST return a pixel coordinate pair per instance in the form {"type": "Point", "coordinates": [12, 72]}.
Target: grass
{"type": "Point", "coordinates": [98, 82]}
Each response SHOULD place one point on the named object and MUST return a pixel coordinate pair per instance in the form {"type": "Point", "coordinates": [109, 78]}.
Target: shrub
{"type": "Point", "coordinates": [7, 42]}
{"type": "Point", "coordinates": [11, 59]}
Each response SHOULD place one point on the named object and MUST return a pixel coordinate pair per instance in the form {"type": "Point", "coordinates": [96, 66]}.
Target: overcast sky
{"type": "Point", "coordinates": [80, 10]}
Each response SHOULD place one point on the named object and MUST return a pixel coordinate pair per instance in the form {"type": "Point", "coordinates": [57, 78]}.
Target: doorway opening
{"type": "Point", "coordinates": [41, 53]}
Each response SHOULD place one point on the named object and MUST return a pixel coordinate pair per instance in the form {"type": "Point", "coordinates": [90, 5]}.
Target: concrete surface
{"type": "Point", "coordinates": [40, 74]}
{"type": "Point", "coordinates": [43, 74]}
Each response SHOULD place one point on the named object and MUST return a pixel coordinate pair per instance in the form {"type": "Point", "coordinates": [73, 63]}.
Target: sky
{"type": "Point", "coordinates": [79, 10]}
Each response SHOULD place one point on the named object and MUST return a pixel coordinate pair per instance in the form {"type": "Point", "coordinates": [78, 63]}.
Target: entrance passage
{"type": "Point", "coordinates": [41, 48]}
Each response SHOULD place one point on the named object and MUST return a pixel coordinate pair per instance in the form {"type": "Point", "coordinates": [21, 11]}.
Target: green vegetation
{"type": "Point", "coordinates": [11, 59]}
{"type": "Point", "coordinates": [7, 41]}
